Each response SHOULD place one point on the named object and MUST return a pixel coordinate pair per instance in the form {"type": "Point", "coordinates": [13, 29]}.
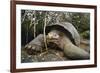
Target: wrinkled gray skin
{"type": "Point", "coordinates": [63, 42]}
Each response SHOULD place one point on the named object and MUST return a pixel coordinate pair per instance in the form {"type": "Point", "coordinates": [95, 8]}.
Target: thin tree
{"type": "Point", "coordinates": [45, 23]}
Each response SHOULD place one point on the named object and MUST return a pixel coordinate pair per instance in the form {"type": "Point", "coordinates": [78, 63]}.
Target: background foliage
{"type": "Point", "coordinates": [32, 22]}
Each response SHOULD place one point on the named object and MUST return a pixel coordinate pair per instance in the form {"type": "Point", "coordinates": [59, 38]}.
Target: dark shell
{"type": "Point", "coordinates": [66, 28]}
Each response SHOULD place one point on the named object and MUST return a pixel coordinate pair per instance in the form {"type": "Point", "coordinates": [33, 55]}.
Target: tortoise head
{"type": "Point", "coordinates": [53, 34]}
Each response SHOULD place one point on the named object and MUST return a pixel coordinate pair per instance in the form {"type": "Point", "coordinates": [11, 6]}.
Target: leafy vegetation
{"type": "Point", "coordinates": [32, 22]}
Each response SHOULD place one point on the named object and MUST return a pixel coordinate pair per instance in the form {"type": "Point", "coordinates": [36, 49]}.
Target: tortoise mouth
{"type": "Point", "coordinates": [52, 40]}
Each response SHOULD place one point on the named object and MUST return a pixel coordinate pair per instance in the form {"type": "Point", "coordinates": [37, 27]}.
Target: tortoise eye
{"type": "Point", "coordinates": [56, 36]}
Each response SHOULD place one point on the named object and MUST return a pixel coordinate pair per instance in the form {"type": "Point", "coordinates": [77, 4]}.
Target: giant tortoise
{"type": "Point", "coordinates": [66, 37]}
